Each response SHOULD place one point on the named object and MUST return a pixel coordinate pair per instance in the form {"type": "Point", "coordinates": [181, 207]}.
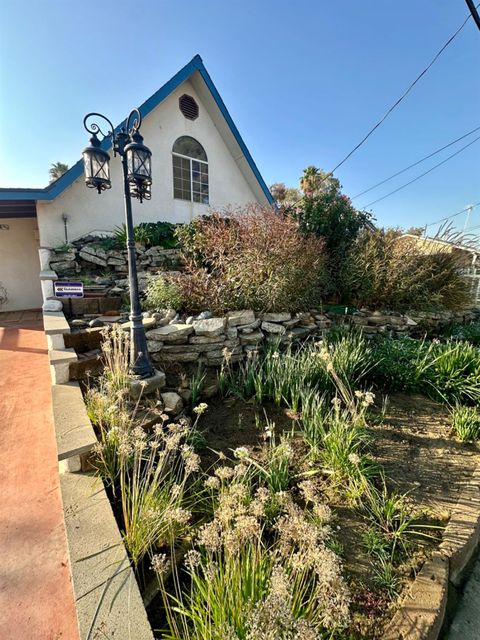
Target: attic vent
{"type": "Point", "coordinates": [188, 107]}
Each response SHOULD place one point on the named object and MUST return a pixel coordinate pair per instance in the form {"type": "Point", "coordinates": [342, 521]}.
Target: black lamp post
{"type": "Point", "coordinates": [137, 178]}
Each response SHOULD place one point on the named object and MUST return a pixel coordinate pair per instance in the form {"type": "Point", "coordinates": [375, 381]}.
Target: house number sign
{"type": "Point", "coordinates": [68, 289]}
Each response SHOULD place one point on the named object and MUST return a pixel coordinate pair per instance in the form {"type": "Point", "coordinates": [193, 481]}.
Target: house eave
{"type": "Point", "coordinates": [195, 65]}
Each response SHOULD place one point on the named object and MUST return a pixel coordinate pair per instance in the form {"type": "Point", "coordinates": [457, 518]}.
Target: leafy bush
{"type": "Point", "coordinates": [469, 332]}
{"type": "Point", "coordinates": [283, 581]}
{"type": "Point", "coordinates": [466, 423]}
{"type": "Point", "coordinates": [454, 373]}
{"type": "Point", "coordinates": [449, 372]}
{"type": "Point", "coordinates": [162, 294]}
{"type": "Point", "coordinates": [252, 258]}
{"type": "Point", "coordinates": [399, 364]}
{"type": "Point", "coordinates": [389, 270]}
{"type": "Point", "coordinates": [149, 234]}
{"type": "Point", "coordinates": [328, 214]}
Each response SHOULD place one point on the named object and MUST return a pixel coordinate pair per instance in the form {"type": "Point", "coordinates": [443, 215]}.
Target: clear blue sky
{"type": "Point", "coordinates": [303, 82]}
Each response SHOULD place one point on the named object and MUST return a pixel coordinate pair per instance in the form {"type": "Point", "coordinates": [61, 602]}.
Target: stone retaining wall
{"type": "Point", "coordinates": [208, 339]}
{"type": "Point", "coordinates": [89, 257]}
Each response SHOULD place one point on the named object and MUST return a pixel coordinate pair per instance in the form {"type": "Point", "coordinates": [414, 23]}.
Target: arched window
{"type": "Point", "coordinates": [190, 170]}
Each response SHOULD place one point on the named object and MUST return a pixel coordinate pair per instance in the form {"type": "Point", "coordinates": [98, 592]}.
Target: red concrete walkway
{"type": "Point", "coordinates": [36, 596]}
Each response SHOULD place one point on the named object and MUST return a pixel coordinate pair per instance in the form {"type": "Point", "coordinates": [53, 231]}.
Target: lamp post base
{"type": "Point", "coordinates": [143, 387]}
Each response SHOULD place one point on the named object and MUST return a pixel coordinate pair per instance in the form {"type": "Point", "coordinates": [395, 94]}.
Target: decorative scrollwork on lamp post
{"type": "Point", "coordinates": [137, 179]}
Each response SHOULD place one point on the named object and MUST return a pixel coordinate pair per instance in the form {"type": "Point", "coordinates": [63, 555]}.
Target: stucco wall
{"type": "Point", "coordinates": [88, 212]}
{"type": "Point", "coordinates": [19, 264]}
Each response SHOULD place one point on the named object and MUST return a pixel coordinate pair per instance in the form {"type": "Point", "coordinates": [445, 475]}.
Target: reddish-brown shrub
{"type": "Point", "coordinates": [252, 258]}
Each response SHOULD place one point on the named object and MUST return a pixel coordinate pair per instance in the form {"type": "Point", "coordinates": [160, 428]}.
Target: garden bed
{"type": "Point", "coordinates": [374, 484]}
{"type": "Point", "coordinates": [413, 442]}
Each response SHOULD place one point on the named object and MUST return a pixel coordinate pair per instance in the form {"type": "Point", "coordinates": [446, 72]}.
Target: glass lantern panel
{"type": "Point", "coordinates": [139, 163]}
{"type": "Point", "coordinates": [100, 167]}
{"type": "Point", "coordinates": [88, 165]}
{"type": "Point", "coordinates": [144, 164]}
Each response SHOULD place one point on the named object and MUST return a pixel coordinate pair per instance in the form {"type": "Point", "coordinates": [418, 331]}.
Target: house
{"type": "Point", "coordinates": [184, 122]}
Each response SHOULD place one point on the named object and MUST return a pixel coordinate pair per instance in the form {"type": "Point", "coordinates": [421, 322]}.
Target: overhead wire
{"type": "Point", "coordinates": [414, 164]}
{"type": "Point", "coordinates": [403, 186]}
{"type": "Point", "coordinates": [397, 102]}
{"type": "Point", "coordinates": [402, 97]}
{"type": "Point", "coordinates": [453, 215]}
{"type": "Point", "coordinates": [474, 12]}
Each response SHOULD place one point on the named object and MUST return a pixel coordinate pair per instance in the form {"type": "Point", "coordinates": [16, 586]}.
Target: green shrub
{"type": "Point", "coordinates": [466, 423]}
{"type": "Point", "coordinates": [449, 372]}
{"type": "Point", "coordinates": [328, 214]}
{"type": "Point", "coordinates": [252, 258]}
{"type": "Point", "coordinates": [399, 364]}
{"type": "Point", "coordinates": [389, 270]}
{"type": "Point", "coordinates": [454, 373]}
{"type": "Point", "coordinates": [468, 332]}
{"type": "Point", "coordinates": [149, 234]}
{"type": "Point", "coordinates": [162, 294]}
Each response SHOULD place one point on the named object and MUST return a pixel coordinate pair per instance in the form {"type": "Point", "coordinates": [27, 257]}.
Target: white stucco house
{"type": "Point", "coordinates": [185, 124]}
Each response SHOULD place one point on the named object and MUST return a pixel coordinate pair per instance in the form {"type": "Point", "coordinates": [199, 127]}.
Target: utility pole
{"type": "Point", "coordinates": [468, 209]}
{"type": "Point", "coordinates": [474, 12]}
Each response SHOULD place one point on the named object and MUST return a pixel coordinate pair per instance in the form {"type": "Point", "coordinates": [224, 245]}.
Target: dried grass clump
{"type": "Point", "coordinates": [250, 581]}
{"type": "Point", "coordinates": [251, 258]}
{"type": "Point", "coordinates": [394, 271]}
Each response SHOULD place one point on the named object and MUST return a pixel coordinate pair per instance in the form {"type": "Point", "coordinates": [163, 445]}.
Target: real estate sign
{"type": "Point", "coordinates": [68, 289]}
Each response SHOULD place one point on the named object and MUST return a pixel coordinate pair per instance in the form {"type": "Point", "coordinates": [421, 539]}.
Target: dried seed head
{"type": "Point", "coordinates": [160, 564]}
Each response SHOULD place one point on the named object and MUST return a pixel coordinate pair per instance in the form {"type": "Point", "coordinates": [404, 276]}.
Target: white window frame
{"type": "Point", "coordinates": [190, 159]}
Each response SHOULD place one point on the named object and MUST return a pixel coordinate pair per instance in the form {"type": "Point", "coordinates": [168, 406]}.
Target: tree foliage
{"type": "Point", "coordinates": [283, 195]}
{"type": "Point", "coordinates": [57, 169]}
{"type": "Point", "coordinates": [327, 213]}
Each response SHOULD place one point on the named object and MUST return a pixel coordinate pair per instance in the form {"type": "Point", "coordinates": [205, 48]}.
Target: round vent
{"type": "Point", "coordinates": [188, 107]}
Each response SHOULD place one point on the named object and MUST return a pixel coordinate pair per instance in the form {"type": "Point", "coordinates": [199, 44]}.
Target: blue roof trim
{"type": "Point", "coordinates": [221, 105]}
{"type": "Point", "coordinates": [196, 64]}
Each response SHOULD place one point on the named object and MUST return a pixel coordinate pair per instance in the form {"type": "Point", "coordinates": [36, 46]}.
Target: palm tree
{"type": "Point", "coordinates": [57, 169]}
{"type": "Point", "coordinates": [315, 181]}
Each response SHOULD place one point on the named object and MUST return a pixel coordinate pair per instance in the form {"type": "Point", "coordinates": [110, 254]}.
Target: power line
{"type": "Point", "coordinates": [453, 215]}
{"type": "Point", "coordinates": [474, 12]}
{"type": "Point", "coordinates": [402, 97]}
{"type": "Point", "coordinates": [422, 174]}
{"type": "Point", "coordinates": [410, 166]}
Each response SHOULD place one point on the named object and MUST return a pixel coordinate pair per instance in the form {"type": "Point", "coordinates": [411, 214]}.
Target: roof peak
{"type": "Point", "coordinates": [54, 189]}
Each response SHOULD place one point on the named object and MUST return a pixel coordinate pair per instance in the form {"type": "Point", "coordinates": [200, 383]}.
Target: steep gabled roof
{"type": "Point", "coordinates": [196, 64]}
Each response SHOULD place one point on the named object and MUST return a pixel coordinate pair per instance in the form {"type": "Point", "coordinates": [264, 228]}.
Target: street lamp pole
{"type": "Point", "coordinates": [136, 167]}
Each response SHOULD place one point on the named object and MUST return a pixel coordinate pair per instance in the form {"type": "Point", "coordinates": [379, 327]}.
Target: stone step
{"type": "Point", "coordinates": [73, 429]}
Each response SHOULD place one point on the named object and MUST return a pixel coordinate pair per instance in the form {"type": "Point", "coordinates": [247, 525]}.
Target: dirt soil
{"type": "Point", "coordinates": [411, 439]}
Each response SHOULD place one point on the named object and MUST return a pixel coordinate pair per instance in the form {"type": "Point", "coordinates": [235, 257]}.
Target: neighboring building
{"type": "Point", "coordinates": [468, 258]}
{"type": "Point", "coordinates": [199, 160]}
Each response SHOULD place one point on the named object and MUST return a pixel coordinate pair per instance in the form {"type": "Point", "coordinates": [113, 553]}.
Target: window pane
{"type": "Point", "coordinates": [190, 147]}
{"type": "Point", "coordinates": [190, 176]}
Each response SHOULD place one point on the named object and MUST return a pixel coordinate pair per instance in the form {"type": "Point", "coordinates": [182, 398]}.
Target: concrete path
{"type": "Point", "coordinates": [36, 596]}
{"type": "Point", "coordinates": [466, 623]}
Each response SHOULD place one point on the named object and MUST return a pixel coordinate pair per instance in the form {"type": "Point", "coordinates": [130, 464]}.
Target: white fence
{"type": "Point", "coordinates": [472, 274]}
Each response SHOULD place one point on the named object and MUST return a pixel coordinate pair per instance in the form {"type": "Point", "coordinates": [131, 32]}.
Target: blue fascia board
{"type": "Point", "coordinates": [221, 105]}
{"type": "Point", "coordinates": [196, 64]}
